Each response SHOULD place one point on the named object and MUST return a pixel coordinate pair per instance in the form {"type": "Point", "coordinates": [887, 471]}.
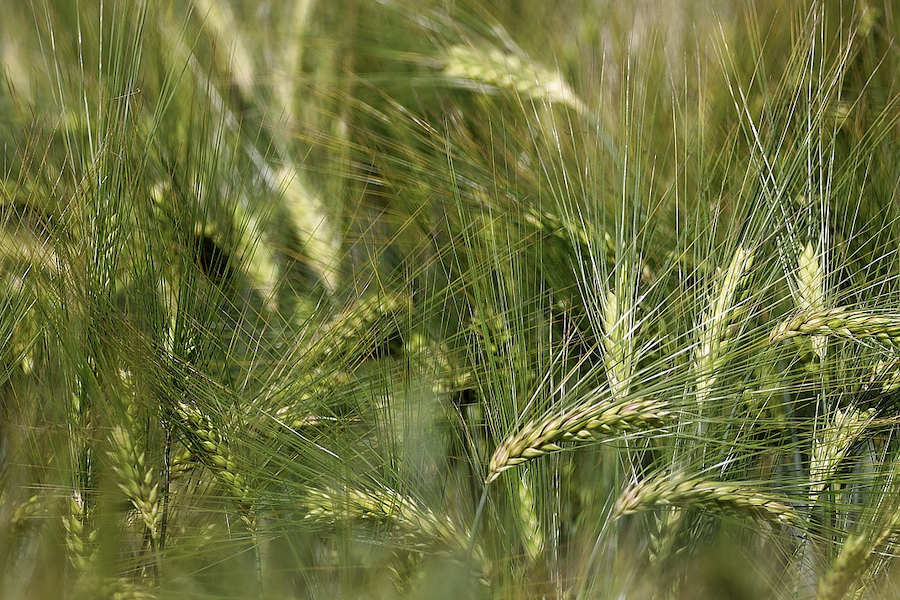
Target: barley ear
{"type": "Point", "coordinates": [713, 331]}
{"type": "Point", "coordinates": [207, 442]}
{"type": "Point", "coordinates": [532, 531]}
{"type": "Point", "coordinates": [853, 559]}
{"type": "Point", "coordinates": [364, 329]}
{"type": "Point", "coordinates": [417, 525]}
{"type": "Point", "coordinates": [618, 329]}
{"type": "Point", "coordinates": [733, 498]}
{"type": "Point", "coordinates": [128, 457]}
{"type": "Point", "coordinates": [832, 442]}
{"type": "Point", "coordinates": [845, 569]}
{"type": "Point", "coordinates": [491, 67]}
{"type": "Point", "coordinates": [854, 325]}
{"type": "Point", "coordinates": [81, 536]}
{"type": "Point", "coordinates": [590, 421]}
{"type": "Point", "coordinates": [810, 289]}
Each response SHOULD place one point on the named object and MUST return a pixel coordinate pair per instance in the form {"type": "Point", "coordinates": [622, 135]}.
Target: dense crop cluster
{"type": "Point", "coordinates": [514, 299]}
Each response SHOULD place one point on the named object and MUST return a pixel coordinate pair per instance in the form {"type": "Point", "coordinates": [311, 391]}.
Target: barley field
{"type": "Point", "coordinates": [570, 299]}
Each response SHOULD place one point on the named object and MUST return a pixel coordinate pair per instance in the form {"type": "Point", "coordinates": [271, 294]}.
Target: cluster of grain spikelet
{"type": "Point", "coordinates": [533, 532]}
{"type": "Point", "coordinates": [134, 476]}
{"type": "Point", "coordinates": [210, 445]}
{"type": "Point", "coordinates": [720, 313]}
{"type": "Point", "coordinates": [855, 325]}
{"type": "Point", "coordinates": [81, 536]}
{"type": "Point", "coordinates": [729, 497]}
{"type": "Point", "coordinates": [492, 67]}
{"type": "Point", "coordinates": [592, 420]}
{"type": "Point", "coordinates": [111, 588]}
{"type": "Point", "coordinates": [832, 443]}
{"type": "Point", "coordinates": [78, 521]}
{"type": "Point", "coordinates": [362, 329]}
{"type": "Point", "coordinates": [419, 526]}
{"type": "Point", "coordinates": [855, 555]}
{"type": "Point", "coordinates": [618, 318]}
{"type": "Point", "coordinates": [810, 289]}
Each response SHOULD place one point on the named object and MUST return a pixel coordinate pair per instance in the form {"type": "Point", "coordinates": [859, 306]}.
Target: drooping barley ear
{"type": "Point", "coordinates": [433, 359]}
{"type": "Point", "coordinates": [306, 208]}
{"type": "Point", "coordinates": [494, 68]}
{"type": "Point", "coordinates": [128, 457]}
{"type": "Point", "coordinates": [417, 525]}
{"type": "Point", "coordinates": [733, 498]}
{"type": "Point", "coordinates": [589, 421]}
{"type": "Point", "coordinates": [855, 325]}
{"type": "Point", "coordinates": [297, 402]}
{"type": "Point", "coordinates": [832, 442]}
{"type": "Point", "coordinates": [577, 232]}
{"type": "Point", "coordinates": [810, 282]}
{"type": "Point", "coordinates": [211, 447]}
{"type": "Point", "coordinates": [713, 330]}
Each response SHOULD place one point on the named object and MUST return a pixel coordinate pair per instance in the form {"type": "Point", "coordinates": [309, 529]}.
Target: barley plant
{"type": "Point", "coordinates": [395, 299]}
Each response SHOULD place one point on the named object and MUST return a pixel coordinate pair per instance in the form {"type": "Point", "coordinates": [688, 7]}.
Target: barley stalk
{"type": "Point", "coordinates": [594, 420]}
{"type": "Point", "coordinates": [856, 325]}
{"type": "Point", "coordinates": [674, 490]}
